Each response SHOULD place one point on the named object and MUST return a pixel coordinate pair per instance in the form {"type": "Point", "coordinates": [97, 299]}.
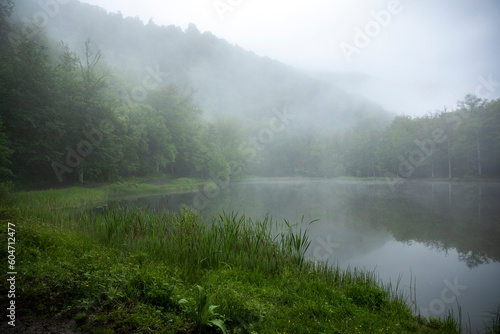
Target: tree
{"type": "Point", "coordinates": [30, 119]}
{"type": "Point", "coordinates": [229, 136]}
{"type": "Point", "coordinates": [490, 146]}
{"type": "Point", "coordinates": [87, 140]}
{"type": "Point", "coordinates": [159, 150]}
{"type": "Point", "coordinates": [448, 122]}
{"type": "Point", "coordinates": [91, 109]}
{"type": "Point", "coordinates": [5, 155]}
{"type": "Point", "coordinates": [428, 140]}
{"type": "Point", "coordinates": [181, 117]}
{"type": "Point", "coordinates": [471, 109]}
{"type": "Point", "coordinates": [6, 8]}
{"type": "Point", "coordinates": [396, 146]}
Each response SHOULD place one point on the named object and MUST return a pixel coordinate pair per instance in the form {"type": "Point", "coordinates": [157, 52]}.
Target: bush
{"type": "Point", "coordinates": [5, 190]}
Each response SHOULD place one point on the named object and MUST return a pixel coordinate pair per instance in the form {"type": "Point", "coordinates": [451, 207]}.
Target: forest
{"type": "Point", "coordinates": [120, 141]}
{"type": "Point", "coordinates": [68, 114]}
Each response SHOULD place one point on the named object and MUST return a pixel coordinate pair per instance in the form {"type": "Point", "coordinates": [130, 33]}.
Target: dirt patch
{"type": "Point", "coordinates": [35, 325]}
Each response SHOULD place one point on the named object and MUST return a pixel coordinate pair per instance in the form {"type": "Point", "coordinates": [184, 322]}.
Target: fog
{"type": "Point", "coordinates": [447, 233]}
{"type": "Point", "coordinates": [428, 55]}
{"type": "Point", "coordinates": [378, 121]}
{"type": "Point", "coordinates": [397, 88]}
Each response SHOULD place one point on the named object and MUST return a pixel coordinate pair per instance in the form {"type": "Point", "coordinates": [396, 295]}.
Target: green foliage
{"type": "Point", "coordinates": [27, 109]}
{"type": "Point", "coordinates": [6, 8]}
{"type": "Point", "coordinates": [5, 193]}
{"type": "Point", "coordinates": [135, 270]}
{"type": "Point", "coordinates": [295, 243]}
{"type": "Point", "coordinates": [150, 145]}
{"type": "Point", "coordinates": [148, 288]}
{"type": "Point", "coordinates": [73, 197]}
{"type": "Point", "coordinates": [227, 240]}
{"type": "Point", "coordinates": [5, 154]}
{"type": "Point", "coordinates": [367, 296]}
{"type": "Point", "coordinates": [65, 121]}
{"type": "Point", "coordinates": [205, 312]}
{"type": "Point", "coordinates": [460, 143]}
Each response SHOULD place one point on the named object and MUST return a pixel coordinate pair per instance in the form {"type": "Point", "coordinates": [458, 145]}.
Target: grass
{"type": "Point", "coordinates": [170, 186]}
{"type": "Point", "coordinates": [74, 197]}
{"type": "Point", "coordinates": [135, 270]}
{"type": "Point", "coordinates": [59, 206]}
{"type": "Point", "coordinates": [493, 326]}
{"type": "Point", "coordinates": [228, 240]}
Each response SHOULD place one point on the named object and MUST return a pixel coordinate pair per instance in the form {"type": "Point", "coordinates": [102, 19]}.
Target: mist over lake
{"type": "Point", "coordinates": [229, 166]}
{"type": "Point", "coordinates": [439, 237]}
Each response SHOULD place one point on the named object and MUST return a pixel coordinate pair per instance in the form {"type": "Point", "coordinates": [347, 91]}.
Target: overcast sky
{"type": "Point", "coordinates": [423, 54]}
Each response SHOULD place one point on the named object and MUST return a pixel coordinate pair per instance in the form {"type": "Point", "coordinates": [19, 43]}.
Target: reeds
{"type": "Point", "coordinates": [186, 240]}
{"type": "Point", "coordinates": [493, 326]}
{"type": "Point", "coordinates": [229, 239]}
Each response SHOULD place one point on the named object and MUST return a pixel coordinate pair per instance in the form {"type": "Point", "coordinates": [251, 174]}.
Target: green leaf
{"type": "Point", "coordinates": [219, 323]}
{"type": "Point", "coordinates": [212, 308]}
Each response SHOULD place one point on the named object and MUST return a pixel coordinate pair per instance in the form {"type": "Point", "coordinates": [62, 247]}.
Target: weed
{"type": "Point", "coordinates": [205, 312]}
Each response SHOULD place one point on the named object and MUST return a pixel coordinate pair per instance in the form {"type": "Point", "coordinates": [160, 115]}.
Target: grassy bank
{"type": "Point", "coordinates": [61, 207]}
{"type": "Point", "coordinates": [46, 201]}
{"type": "Point", "coordinates": [133, 270]}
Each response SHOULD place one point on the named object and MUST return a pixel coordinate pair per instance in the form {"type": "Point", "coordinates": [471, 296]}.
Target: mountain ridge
{"type": "Point", "coordinates": [226, 79]}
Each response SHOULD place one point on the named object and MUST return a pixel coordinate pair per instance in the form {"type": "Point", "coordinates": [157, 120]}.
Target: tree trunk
{"type": "Point", "coordinates": [479, 167]}
{"type": "Point", "coordinates": [480, 195]}
{"type": "Point", "coordinates": [449, 203]}
{"type": "Point", "coordinates": [449, 159]}
{"type": "Point", "coordinates": [432, 199]}
{"type": "Point", "coordinates": [432, 167]}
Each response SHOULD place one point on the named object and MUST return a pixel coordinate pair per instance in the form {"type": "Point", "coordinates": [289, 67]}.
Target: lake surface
{"type": "Point", "coordinates": [443, 236]}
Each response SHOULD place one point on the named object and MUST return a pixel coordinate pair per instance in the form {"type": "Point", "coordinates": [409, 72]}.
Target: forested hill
{"type": "Point", "coordinates": [226, 79]}
{"type": "Point", "coordinates": [93, 96]}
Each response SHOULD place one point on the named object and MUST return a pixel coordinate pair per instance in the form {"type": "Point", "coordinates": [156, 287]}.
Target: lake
{"type": "Point", "coordinates": [441, 238]}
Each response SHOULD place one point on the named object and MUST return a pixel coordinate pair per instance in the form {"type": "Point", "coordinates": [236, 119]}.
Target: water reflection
{"type": "Point", "coordinates": [362, 216]}
{"type": "Point", "coordinates": [438, 232]}
{"type": "Point", "coordinates": [442, 216]}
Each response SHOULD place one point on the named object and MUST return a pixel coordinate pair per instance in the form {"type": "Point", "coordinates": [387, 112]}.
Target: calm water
{"type": "Point", "coordinates": [444, 236]}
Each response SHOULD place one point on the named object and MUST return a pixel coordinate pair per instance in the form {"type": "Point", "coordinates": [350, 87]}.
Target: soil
{"type": "Point", "coordinates": [35, 325]}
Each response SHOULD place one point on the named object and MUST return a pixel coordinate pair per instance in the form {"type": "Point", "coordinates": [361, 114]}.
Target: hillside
{"type": "Point", "coordinates": [226, 79]}
{"type": "Point", "coordinates": [188, 104]}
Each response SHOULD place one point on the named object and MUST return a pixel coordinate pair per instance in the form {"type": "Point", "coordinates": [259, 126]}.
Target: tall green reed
{"type": "Point", "coordinates": [229, 239]}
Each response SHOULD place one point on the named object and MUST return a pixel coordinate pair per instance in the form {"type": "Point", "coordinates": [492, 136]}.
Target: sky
{"type": "Point", "coordinates": [414, 56]}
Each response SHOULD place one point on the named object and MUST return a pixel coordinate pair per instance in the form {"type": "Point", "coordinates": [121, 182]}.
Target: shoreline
{"type": "Point", "coordinates": [269, 291]}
